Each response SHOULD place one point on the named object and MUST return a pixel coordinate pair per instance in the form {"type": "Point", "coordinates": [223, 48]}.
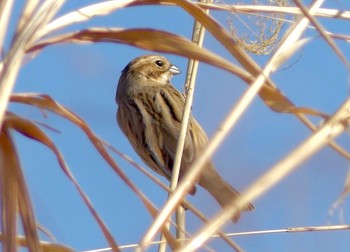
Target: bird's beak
{"type": "Point", "coordinates": [174, 70]}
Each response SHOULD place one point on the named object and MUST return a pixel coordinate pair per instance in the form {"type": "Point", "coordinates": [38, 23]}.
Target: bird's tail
{"type": "Point", "coordinates": [222, 192]}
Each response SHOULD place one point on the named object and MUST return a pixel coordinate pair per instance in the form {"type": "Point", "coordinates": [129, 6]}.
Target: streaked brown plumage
{"type": "Point", "coordinates": [149, 113]}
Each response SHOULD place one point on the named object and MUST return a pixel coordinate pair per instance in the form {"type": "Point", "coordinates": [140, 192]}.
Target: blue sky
{"type": "Point", "coordinates": [84, 78]}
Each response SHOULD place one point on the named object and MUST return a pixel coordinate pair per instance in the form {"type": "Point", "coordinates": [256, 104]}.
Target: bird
{"type": "Point", "coordinates": [149, 114]}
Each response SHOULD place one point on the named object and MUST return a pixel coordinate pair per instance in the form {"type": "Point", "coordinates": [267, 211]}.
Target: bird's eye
{"type": "Point", "coordinates": [159, 63]}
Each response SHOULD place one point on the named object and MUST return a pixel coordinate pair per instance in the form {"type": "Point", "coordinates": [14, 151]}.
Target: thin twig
{"type": "Point", "coordinates": [248, 9]}
{"type": "Point", "coordinates": [258, 232]}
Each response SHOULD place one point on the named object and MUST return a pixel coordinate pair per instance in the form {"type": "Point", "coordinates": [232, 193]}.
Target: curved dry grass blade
{"type": "Point", "coordinates": [30, 130]}
{"type": "Point", "coordinates": [149, 39]}
{"type": "Point", "coordinates": [308, 111]}
{"type": "Point", "coordinates": [211, 25]}
{"type": "Point", "coordinates": [46, 102]}
{"type": "Point", "coordinates": [14, 184]}
{"type": "Point", "coordinates": [27, 215]}
{"type": "Point", "coordinates": [9, 190]}
{"type": "Point", "coordinates": [280, 103]}
{"type": "Point", "coordinates": [24, 205]}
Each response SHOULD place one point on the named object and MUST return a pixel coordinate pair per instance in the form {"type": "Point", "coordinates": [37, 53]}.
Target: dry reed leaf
{"type": "Point", "coordinates": [9, 191]}
{"type": "Point", "coordinates": [308, 111]}
{"type": "Point", "coordinates": [209, 23]}
{"type": "Point", "coordinates": [30, 130]}
{"type": "Point", "coordinates": [46, 102]}
{"type": "Point", "coordinates": [24, 204]}
{"type": "Point", "coordinates": [149, 39]}
{"type": "Point", "coordinates": [26, 212]}
{"type": "Point", "coordinates": [19, 200]}
{"type": "Point", "coordinates": [280, 103]}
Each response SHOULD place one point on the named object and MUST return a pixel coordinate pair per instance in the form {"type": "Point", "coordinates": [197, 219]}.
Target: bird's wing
{"type": "Point", "coordinates": [141, 135]}
{"type": "Point", "coordinates": [171, 104]}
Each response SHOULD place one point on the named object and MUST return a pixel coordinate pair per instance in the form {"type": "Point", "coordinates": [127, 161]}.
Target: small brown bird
{"type": "Point", "coordinates": [150, 112]}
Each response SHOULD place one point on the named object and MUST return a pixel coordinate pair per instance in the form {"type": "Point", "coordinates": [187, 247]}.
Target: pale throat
{"type": "Point", "coordinates": [162, 78]}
